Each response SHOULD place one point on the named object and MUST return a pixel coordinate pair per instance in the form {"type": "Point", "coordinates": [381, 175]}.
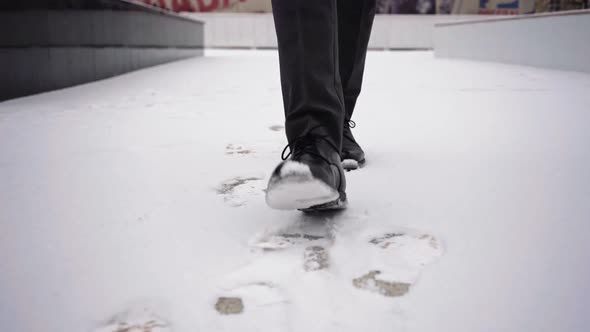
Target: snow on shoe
{"type": "Point", "coordinates": [350, 164]}
{"type": "Point", "coordinates": [296, 188]}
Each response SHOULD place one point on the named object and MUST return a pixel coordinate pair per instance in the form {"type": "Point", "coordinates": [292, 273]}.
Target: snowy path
{"type": "Point", "coordinates": [145, 191]}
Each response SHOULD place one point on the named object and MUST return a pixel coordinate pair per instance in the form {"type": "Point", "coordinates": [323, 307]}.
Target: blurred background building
{"type": "Point", "coordinates": [498, 7]}
{"type": "Point", "coordinates": [52, 44]}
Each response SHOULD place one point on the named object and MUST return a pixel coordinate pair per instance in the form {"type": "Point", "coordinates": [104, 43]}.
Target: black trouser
{"type": "Point", "coordinates": [322, 48]}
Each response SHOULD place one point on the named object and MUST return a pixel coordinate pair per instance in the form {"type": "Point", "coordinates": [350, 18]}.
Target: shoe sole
{"type": "Point", "coordinates": [297, 192]}
{"type": "Point", "coordinates": [338, 204]}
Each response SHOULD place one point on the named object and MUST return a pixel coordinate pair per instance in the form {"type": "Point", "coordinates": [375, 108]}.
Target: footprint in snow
{"type": "Point", "coordinates": [315, 254]}
{"type": "Point", "coordinates": [392, 261]}
{"type": "Point", "coordinates": [302, 272]}
{"type": "Point", "coordinates": [258, 295]}
{"type": "Point", "coordinates": [236, 149]}
{"type": "Point", "coordinates": [396, 261]}
{"type": "Point", "coordinates": [255, 306]}
{"type": "Point", "coordinates": [237, 191]}
{"type": "Point", "coordinates": [140, 319]}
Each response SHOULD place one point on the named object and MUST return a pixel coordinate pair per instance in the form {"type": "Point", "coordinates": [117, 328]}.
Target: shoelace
{"type": "Point", "coordinates": [306, 141]}
{"type": "Point", "coordinates": [302, 143]}
{"type": "Point", "coordinates": [349, 124]}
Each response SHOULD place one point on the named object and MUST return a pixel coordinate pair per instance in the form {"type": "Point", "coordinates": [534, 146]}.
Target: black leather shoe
{"type": "Point", "coordinates": [352, 154]}
{"type": "Point", "coordinates": [312, 179]}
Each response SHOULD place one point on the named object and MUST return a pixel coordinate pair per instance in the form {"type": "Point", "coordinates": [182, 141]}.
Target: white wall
{"type": "Point", "coordinates": [560, 40]}
{"type": "Point", "coordinates": [237, 30]}
{"type": "Point", "coordinates": [243, 30]}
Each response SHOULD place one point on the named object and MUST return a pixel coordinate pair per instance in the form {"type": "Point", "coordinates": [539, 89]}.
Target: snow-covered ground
{"type": "Point", "coordinates": [145, 193]}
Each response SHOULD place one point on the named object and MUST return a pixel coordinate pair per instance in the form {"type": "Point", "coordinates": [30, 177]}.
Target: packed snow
{"type": "Point", "coordinates": [137, 203]}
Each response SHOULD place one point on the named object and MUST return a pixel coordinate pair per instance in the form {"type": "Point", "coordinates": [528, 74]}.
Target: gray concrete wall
{"type": "Point", "coordinates": [39, 69]}
{"type": "Point", "coordinates": [557, 40]}
{"type": "Point", "coordinates": [42, 50]}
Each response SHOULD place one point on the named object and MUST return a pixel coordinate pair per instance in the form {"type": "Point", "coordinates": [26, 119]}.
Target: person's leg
{"type": "Point", "coordinates": [355, 20]}
{"type": "Point", "coordinates": [307, 34]}
{"type": "Point", "coordinates": [310, 78]}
